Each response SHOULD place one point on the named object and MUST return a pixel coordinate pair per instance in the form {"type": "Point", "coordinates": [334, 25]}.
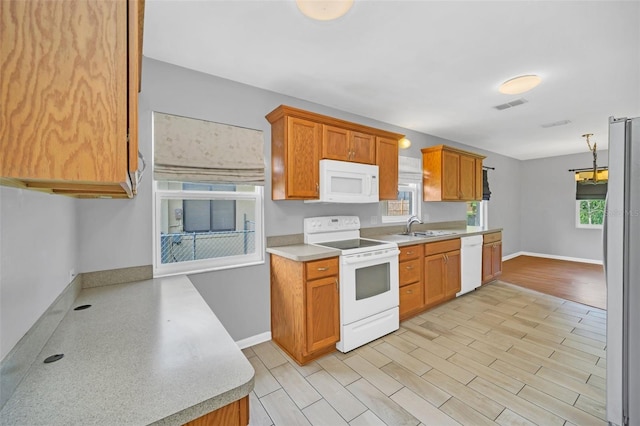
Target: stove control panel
{"type": "Point", "coordinates": [316, 225]}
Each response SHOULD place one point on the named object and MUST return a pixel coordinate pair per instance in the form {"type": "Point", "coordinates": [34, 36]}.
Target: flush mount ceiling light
{"type": "Point", "coordinates": [519, 84]}
{"type": "Point", "coordinates": [324, 10]}
{"type": "Point", "coordinates": [404, 143]}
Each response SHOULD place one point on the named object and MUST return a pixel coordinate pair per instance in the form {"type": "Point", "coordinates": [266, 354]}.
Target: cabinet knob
{"type": "Point", "coordinates": [324, 268]}
{"type": "Point", "coordinates": [410, 252]}
{"type": "Point", "coordinates": [409, 267]}
{"type": "Point", "coordinates": [337, 288]}
{"type": "Point", "coordinates": [409, 291]}
{"type": "Point", "coordinates": [317, 188]}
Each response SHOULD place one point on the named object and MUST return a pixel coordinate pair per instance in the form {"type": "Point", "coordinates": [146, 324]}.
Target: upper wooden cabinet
{"type": "Point", "coordinates": [344, 145]}
{"type": "Point", "coordinates": [69, 96]}
{"type": "Point", "coordinates": [299, 139]}
{"type": "Point", "coordinates": [387, 161]}
{"type": "Point", "coordinates": [451, 174]}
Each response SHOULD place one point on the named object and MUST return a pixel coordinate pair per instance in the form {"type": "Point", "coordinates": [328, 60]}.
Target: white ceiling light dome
{"type": "Point", "coordinates": [324, 10]}
{"type": "Point", "coordinates": [520, 84]}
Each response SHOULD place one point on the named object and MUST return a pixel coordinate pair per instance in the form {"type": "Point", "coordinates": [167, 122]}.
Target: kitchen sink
{"type": "Point", "coordinates": [427, 233]}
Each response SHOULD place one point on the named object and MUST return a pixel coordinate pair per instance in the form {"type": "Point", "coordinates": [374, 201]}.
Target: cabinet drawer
{"type": "Point", "coordinates": [410, 271]}
{"type": "Point", "coordinates": [441, 247]}
{"type": "Point", "coordinates": [411, 298]}
{"type": "Point", "coordinates": [411, 252]}
{"type": "Point", "coordinates": [322, 268]}
{"type": "Point", "coordinates": [492, 238]}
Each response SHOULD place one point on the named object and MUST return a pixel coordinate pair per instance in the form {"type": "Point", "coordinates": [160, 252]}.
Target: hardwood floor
{"type": "Point", "coordinates": [501, 355]}
{"type": "Point", "coordinates": [580, 282]}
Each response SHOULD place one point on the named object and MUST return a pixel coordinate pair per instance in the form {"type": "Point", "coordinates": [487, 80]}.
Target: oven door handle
{"type": "Point", "coordinates": [363, 257]}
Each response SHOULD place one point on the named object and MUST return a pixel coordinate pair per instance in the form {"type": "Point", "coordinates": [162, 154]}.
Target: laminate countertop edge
{"type": "Point", "coordinates": [308, 252]}
{"type": "Point", "coordinates": [149, 352]}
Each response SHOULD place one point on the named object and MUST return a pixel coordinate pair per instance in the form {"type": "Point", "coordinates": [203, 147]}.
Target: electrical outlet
{"type": "Point", "coordinates": [374, 220]}
{"type": "Point", "coordinates": [72, 274]}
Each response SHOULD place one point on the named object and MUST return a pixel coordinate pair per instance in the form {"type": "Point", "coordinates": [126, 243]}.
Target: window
{"type": "Point", "coordinates": [200, 227]}
{"type": "Point", "coordinates": [407, 204]}
{"type": "Point", "coordinates": [477, 213]}
{"type": "Point", "coordinates": [589, 213]}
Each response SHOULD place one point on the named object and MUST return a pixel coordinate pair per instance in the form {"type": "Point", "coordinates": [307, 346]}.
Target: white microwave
{"type": "Point", "coordinates": [345, 182]}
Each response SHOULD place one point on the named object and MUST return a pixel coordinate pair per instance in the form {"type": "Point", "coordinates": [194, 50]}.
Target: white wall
{"type": "Point", "coordinates": [548, 206]}
{"type": "Point", "coordinates": [38, 247]}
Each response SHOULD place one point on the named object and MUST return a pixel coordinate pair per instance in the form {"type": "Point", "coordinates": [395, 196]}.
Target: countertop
{"type": "Point", "coordinates": [306, 252]}
{"type": "Point", "coordinates": [150, 352]}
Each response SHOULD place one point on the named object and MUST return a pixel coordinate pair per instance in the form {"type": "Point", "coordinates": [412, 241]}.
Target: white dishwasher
{"type": "Point", "coordinates": [470, 263]}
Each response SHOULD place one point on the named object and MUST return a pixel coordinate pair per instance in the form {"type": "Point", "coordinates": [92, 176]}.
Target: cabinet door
{"type": "Point", "coordinates": [335, 143]}
{"type": "Point", "coordinates": [387, 161]}
{"type": "Point", "coordinates": [303, 158]}
{"type": "Point", "coordinates": [363, 148]}
{"type": "Point", "coordinates": [478, 190]}
{"type": "Point", "coordinates": [323, 313]}
{"type": "Point", "coordinates": [496, 259]}
{"type": "Point", "coordinates": [411, 299]}
{"type": "Point", "coordinates": [467, 178]}
{"type": "Point", "coordinates": [68, 103]}
{"type": "Point", "coordinates": [434, 276]}
{"type": "Point", "coordinates": [452, 273]}
{"type": "Point", "coordinates": [487, 262]}
{"type": "Point", "coordinates": [450, 176]}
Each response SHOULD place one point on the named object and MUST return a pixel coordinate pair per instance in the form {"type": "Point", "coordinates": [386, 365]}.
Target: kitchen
{"type": "Point", "coordinates": [62, 235]}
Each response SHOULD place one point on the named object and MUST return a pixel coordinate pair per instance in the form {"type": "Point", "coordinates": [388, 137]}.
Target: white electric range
{"type": "Point", "coordinates": [369, 293]}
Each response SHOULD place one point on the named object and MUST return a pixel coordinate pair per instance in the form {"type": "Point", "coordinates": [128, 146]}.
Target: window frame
{"type": "Point", "coordinates": [211, 264]}
{"type": "Point", "coordinates": [415, 189]}
{"type": "Point", "coordinates": [585, 225]}
{"type": "Point", "coordinates": [483, 210]}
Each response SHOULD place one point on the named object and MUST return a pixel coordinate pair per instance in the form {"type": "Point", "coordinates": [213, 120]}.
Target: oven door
{"type": "Point", "coordinates": [368, 284]}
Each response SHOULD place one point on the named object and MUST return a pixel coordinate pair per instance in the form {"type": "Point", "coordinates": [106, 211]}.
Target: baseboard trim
{"type": "Point", "coordinates": [254, 340]}
{"type": "Point", "coordinates": [552, 256]}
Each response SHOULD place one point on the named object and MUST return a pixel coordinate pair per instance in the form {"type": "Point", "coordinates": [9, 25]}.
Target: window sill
{"type": "Point", "coordinates": [159, 274]}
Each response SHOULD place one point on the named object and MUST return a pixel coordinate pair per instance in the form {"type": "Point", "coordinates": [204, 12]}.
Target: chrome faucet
{"type": "Point", "coordinates": [411, 221]}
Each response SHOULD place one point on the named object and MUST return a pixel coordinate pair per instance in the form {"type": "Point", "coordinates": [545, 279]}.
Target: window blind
{"type": "Point", "coordinates": [591, 191]}
{"type": "Point", "coordinates": [486, 192]}
{"type": "Point", "coordinates": [409, 170]}
{"type": "Point", "coordinates": [192, 150]}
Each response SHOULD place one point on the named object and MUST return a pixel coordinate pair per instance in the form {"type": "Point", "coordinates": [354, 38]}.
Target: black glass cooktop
{"type": "Point", "coordinates": [351, 244]}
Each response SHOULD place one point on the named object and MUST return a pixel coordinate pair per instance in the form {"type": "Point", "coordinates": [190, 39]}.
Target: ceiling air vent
{"type": "Point", "coordinates": [555, 123]}
{"type": "Point", "coordinates": [511, 104]}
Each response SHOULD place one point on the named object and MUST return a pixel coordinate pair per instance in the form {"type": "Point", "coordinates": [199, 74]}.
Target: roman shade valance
{"type": "Point", "coordinates": [192, 150]}
{"type": "Point", "coordinates": [409, 170]}
{"type": "Point", "coordinates": [591, 191]}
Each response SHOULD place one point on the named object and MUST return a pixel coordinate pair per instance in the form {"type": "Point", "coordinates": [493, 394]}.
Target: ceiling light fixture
{"type": "Point", "coordinates": [519, 84]}
{"type": "Point", "coordinates": [324, 10]}
{"type": "Point", "coordinates": [404, 143]}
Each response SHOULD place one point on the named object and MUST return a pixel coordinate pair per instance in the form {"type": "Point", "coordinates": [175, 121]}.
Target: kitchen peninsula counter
{"type": "Point", "coordinates": [149, 352]}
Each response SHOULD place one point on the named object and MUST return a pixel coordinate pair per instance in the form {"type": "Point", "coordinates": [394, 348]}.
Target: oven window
{"type": "Point", "coordinates": [372, 280]}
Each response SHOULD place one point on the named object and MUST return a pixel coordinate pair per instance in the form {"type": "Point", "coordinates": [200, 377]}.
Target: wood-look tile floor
{"type": "Point", "coordinates": [499, 355]}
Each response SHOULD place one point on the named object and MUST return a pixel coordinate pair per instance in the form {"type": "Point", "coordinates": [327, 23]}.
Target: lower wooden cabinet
{"type": "Point", "coordinates": [410, 278]}
{"type": "Point", "coordinates": [491, 257]}
{"type": "Point", "coordinates": [234, 414]}
{"type": "Point", "coordinates": [305, 307]}
{"type": "Point", "coordinates": [441, 271]}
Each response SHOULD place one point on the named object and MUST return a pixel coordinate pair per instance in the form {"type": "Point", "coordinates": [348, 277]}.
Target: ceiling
{"type": "Point", "coordinates": [429, 66]}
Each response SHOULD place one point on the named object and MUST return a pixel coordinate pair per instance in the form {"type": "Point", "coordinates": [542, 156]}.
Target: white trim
{"type": "Point", "coordinates": [552, 256]}
{"type": "Point", "coordinates": [416, 200]}
{"type": "Point", "coordinates": [254, 340]}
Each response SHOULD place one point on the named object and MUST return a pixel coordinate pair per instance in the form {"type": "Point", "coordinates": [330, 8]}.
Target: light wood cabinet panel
{"type": "Point", "coordinates": [299, 139]}
{"type": "Point", "coordinates": [387, 161]}
{"type": "Point", "coordinates": [335, 143]}
{"type": "Point", "coordinates": [450, 174]}
{"type": "Point", "coordinates": [323, 313]}
{"type": "Point", "coordinates": [491, 257]}
{"type": "Point", "coordinates": [434, 279]}
{"type": "Point", "coordinates": [234, 414]}
{"type": "Point", "coordinates": [411, 252]}
{"type": "Point", "coordinates": [442, 277]}
{"type": "Point", "coordinates": [70, 96]}
{"type": "Point", "coordinates": [363, 148]}
{"type": "Point", "coordinates": [452, 273]}
{"type": "Point", "coordinates": [410, 271]}
{"type": "Point", "coordinates": [411, 299]}
{"type": "Point", "coordinates": [305, 307]}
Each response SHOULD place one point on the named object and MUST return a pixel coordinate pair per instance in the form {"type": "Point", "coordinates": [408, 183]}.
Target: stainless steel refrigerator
{"type": "Point", "coordinates": [621, 238]}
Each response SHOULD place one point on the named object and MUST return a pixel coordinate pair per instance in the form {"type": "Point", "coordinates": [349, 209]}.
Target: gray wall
{"type": "Point", "coordinates": [38, 247]}
{"type": "Point", "coordinates": [548, 208]}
